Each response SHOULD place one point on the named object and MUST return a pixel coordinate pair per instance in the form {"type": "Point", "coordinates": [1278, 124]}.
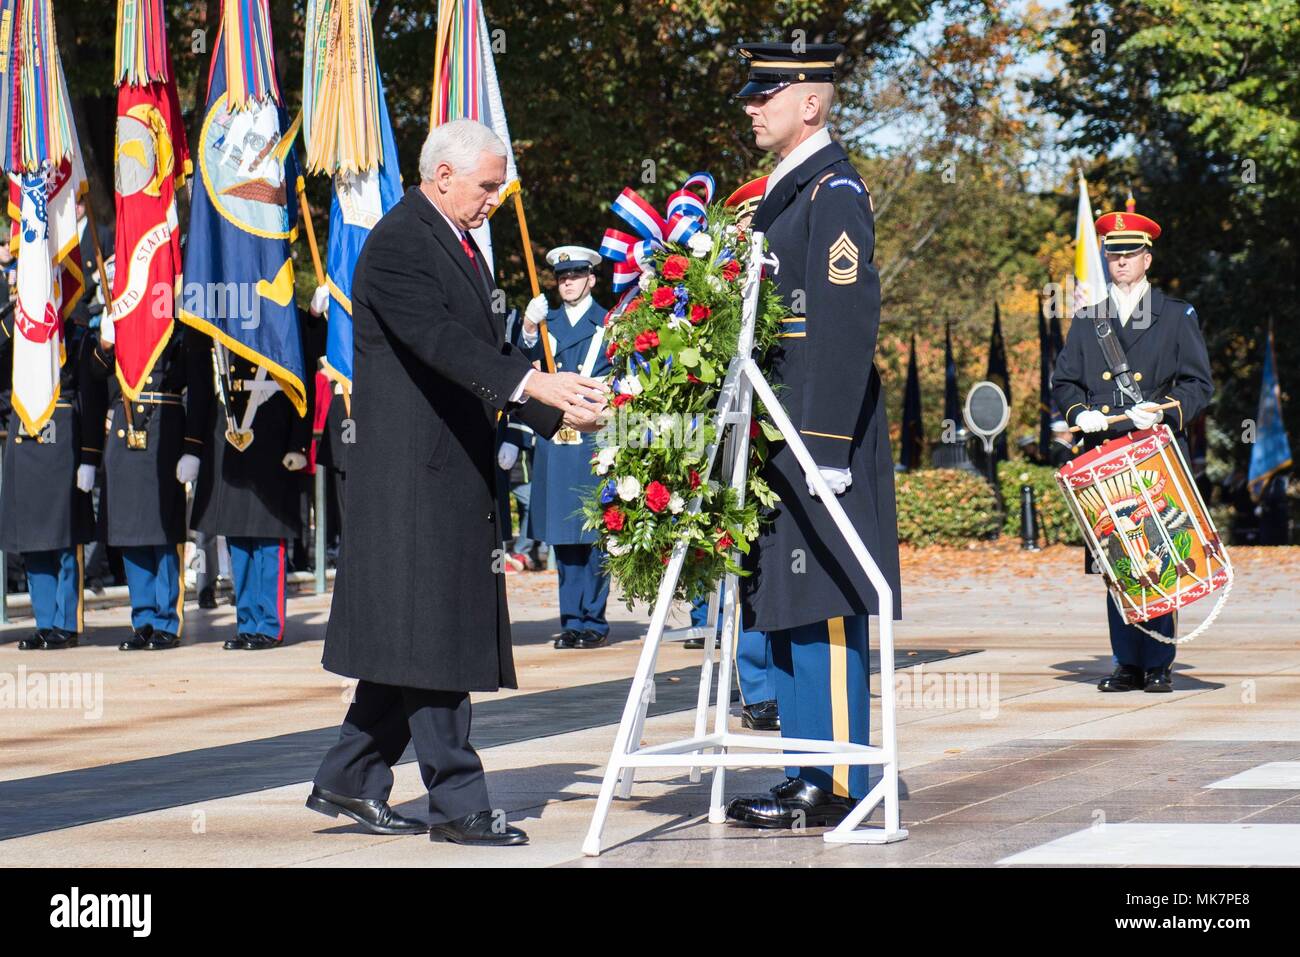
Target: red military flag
{"type": "Point", "coordinates": [151, 162]}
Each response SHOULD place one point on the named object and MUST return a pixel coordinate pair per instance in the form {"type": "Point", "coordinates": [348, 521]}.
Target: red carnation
{"type": "Point", "coordinates": [632, 306]}
{"type": "Point", "coordinates": [663, 297]}
{"type": "Point", "coordinates": [700, 554]}
{"type": "Point", "coordinates": [725, 542]}
{"type": "Point", "coordinates": [674, 267]}
{"type": "Point", "coordinates": [731, 270]}
{"type": "Point", "coordinates": [656, 497]}
{"type": "Point", "coordinates": [614, 519]}
{"type": "Point", "coordinates": [647, 340]}
{"type": "Point", "coordinates": [692, 377]}
{"type": "Point", "coordinates": [753, 428]}
{"type": "Point", "coordinates": [695, 480]}
{"type": "Point", "coordinates": [699, 314]}
{"type": "Point", "coordinates": [611, 351]}
{"type": "Point", "coordinates": [621, 399]}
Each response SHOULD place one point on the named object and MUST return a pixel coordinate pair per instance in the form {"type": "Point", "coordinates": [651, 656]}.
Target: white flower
{"type": "Point", "coordinates": [715, 283]}
{"type": "Point", "coordinates": [732, 230]}
{"type": "Point", "coordinates": [667, 423]}
{"type": "Point", "coordinates": [701, 244]}
{"type": "Point", "coordinates": [647, 277]}
{"type": "Point", "coordinates": [628, 488]}
{"type": "Point", "coordinates": [676, 504]}
{"type": "Point", "coordinates": [605, 459]}
{"type": "Point", "coordinates": [614, 548]}
{"type": "Point", "coordinates": [631, 385]}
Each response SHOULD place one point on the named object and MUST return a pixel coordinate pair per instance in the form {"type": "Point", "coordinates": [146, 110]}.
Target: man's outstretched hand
{"type": "Point", "coordinates": [581, 398]}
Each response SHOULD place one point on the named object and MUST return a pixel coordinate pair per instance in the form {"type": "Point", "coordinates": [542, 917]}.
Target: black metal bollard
{"type": "Point", "coordinates": [1028, 520]}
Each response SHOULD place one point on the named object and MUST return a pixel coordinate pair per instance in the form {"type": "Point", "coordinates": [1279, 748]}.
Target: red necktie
{"type": "Point", "coordinates": [469, 251]}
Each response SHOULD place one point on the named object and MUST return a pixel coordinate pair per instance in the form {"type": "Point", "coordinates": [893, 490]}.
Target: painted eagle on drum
{"type": "Point", "coordinates": [1147, 537]}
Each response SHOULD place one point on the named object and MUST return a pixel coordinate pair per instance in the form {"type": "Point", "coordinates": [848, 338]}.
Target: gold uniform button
{"type": "Point", "coordinates": [1106, 376]}
{"type": "Point", "coordinates": [139, 408]}
{"type": "Point", "coordinates": [18, 440]}
{"type": "Point", "coordinates": [121, 433]}
{"type": "Point", "coordinates": [1137, 376]}
{"type": "Point", "coordinates": [148, 380]}
{"type": "Point", "coordinates": [1105, 408]}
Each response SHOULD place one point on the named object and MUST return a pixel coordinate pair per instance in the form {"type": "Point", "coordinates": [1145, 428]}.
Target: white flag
{"type": "Point", "coordinates": [1089, 267]}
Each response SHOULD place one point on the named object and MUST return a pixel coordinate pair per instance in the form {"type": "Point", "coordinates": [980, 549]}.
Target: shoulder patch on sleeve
{"type": "Point", "coordinates": [848, 181]}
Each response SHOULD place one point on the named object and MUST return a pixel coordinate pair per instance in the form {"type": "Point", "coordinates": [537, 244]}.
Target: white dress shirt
{"type": "Point", "coordinates": [819, 140]}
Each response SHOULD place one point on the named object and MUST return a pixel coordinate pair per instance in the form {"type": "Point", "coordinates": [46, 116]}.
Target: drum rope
{"type": "Point", "coordinates": [1199, 629]}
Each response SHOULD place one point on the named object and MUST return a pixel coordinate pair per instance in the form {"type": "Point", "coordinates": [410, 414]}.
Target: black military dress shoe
{"type": "Point", "coordinates": [256, 642]}
{"type": "Point", "coordinates": [34, 641]}
{"type": "Point", "coordinates": [590, 639]}
{"type": "Point", "coordinates": [1124, 678]}
{"type": "Point", "coordinates": [1159, 680]}
{"type": "Point", "coordinates": [163, 640]}
{"type": "Point", "coordinates": [238, 643]}
{"type": "Point", "coordinates": [138, 641]}
{"type": "Point", "coordinates": [761, 716]}
{"type": "Point", "coordinates": [568, 639]}
{"type": "Point", "coordinates": [57, 638]}
{"type": "Point", "coordinates": [793, 803]}
{"type": "Point", "coordinates": [375, 816]}
{"type": "Point", "coordinates": [480, 828]}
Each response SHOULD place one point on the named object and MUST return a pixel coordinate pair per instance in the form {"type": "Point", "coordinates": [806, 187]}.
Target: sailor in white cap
{"type": "Point", "coordinates": [562, 476]}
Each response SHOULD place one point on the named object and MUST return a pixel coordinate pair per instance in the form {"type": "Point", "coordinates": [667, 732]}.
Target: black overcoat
{"type": "Point", "coordinates": [419, 599]}
{"type": "Point", "coordinates": [819, 226]}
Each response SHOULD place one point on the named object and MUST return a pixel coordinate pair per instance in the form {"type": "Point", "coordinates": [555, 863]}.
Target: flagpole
{"type": "Point", "coordinates": [99, 262]}
{"type": "Point", "coordinates": [311, 233]}
{"type": "Point", "coordinates": [543, 335]}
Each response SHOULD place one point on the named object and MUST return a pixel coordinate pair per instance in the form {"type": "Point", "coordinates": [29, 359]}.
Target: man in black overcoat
{"type": "Point", "coordinates": [419, 610]}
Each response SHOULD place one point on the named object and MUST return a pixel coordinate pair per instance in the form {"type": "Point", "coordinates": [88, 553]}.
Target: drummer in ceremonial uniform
{"type": "Point", "coordinates": [46, 512]}
{"type": "Point", "coordinates": [255, 441]}
{"type": "Point", "coordinates": [807, 591]}
{"type": "Point", "coordinates": [142, 509]}
{"type": "Point", "coordinates": [1161, 360]}
{"type": "Point", "coordinates": [562, 475]}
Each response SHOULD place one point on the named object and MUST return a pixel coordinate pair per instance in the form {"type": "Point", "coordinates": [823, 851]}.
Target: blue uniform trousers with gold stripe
{"type": "Point", "coordinates": [753, 657]}
{"type": "Point", "coordinates": [1132, 647]}
{"type": "Point", "coordinates": [584, 588]}
{"type": "Point", "coordinates": [153, 576]}
{"type": "Point", "coordinates": [823, 691]}
{"type": "Point", "coordinates": [257, 573]}
{"type": "Point", "coordinates": [54, 582]}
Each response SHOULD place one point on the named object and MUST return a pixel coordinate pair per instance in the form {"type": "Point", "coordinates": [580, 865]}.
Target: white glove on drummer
{"type": "Point", "coordinates": [1091, 420]}
{"type": "Point", "coordinates": [187, 469]}
{"type": "Point", "coordinates": [85, 477]}
{"type": "Point", "coordinates": [1145, 415]}
{"type": "Point", "coordinates": [320, 301]}
{"type": "Point", "coordinates": [838, 479]}
{"type": "Point", "coordinates": [507, 455]}
{"type": "Point", "coordinates": [294, 461]}
{"type": "Point", "coordinates": [536, 310]}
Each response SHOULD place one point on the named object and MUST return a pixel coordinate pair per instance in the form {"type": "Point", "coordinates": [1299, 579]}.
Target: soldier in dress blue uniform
{"type": "Point", "coordinates": [142, 509]}
{"type": "Point", "coordinates": [515, 447]}
{"type": "Point", "coordinates": [1167, 362]}
{"type": "Point", "coordinates": [250, 494]}
{"type": "Point", "coordinates": [806, 590]}
{"type": "Point", "coordinates": [562, 476]}
{"type": "Point", "coordinates": [46, 511]}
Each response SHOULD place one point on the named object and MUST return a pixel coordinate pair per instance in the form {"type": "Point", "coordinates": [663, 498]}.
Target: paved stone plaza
{"type": "Point", "coordinates": [200, 756]}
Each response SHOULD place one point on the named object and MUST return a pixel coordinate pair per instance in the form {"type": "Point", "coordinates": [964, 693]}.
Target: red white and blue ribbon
{"type": "Point", "coordinates": [686, 217]}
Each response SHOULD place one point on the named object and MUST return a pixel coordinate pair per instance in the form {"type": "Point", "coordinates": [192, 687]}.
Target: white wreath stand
{"type": "Point", "coordinates": [717, 750]}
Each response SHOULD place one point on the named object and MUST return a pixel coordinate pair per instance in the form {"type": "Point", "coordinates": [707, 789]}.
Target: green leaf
{"type": "Point", "coordinates": [689, 357]}
{"type": "Point", "coordinates": [770, 431]}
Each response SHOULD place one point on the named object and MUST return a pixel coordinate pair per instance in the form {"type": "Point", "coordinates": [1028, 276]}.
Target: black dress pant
{"type": "Point", "coordinates": [380, 723]}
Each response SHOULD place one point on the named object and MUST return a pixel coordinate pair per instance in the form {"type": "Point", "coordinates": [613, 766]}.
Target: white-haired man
{"type": "Point", "coordinates": [421, 626]}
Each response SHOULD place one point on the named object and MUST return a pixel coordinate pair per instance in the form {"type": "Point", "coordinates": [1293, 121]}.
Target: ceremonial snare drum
{"type": "Point", "coordinates": [1146, 526]}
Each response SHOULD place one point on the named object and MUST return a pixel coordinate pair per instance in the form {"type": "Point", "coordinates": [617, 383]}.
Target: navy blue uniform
{"type": "Point", "coordinates": [563, 481]}
{"type": "Point", "coordinates": [1167, 355]}
{"type": "Point", "coordinates": [807, 590]}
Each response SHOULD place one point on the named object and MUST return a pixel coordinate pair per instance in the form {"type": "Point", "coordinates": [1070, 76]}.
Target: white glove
{"type": "Point", "coordinates": [107, 334]}
{"type": "Point", "coordinates": [85, 477]}
{"type": "Point", "coordinates": [1145, 415]}
{"type": "Point", "coordinates": [507, 456]}
{"type": "Point", "coordinates": [838, 479]}
{"type": "Point", "coordinates": [294, 461]}
{"type": "Point", "coordinates": [1091, 420]}
{"type": "Point", "coordinates": [536, 310]}
{"type": "Point", "coordinates": [187, 469]}
{"type": "Point", "coordinates": [320, 301]}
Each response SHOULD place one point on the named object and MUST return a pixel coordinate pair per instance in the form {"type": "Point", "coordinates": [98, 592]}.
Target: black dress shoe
{"type": "Point", "coordinates": [34, 641]}
{"type": "Point", "coordinates": [761, 716]}
{"type": "Point", "coordinates": [208, 597]}
{"type": "Point", "coordinates": [568, 639]}
{"type": "Point", "coordinates": [481, 829]}
{"type": "Point", "coordinates": [375, 816]}
{"type": "Point", "coordinates": [255, 642]}
{"type": "Point", "coordinates": [1159, 680]}
{"type": "Point", "coordinates": [238, 643]}
{"type": "Point", "coordinates": [1124, 678]}
{"type": "Point", "coordinates": [697, 643]}
{"type": "Point", "coordinates": [804, 805]}
{"type": "Point", "coordinates": [138, 641]}
{"type": "Point", "coordinates": [57, 638]}
{"type": "Point", "coordinates": [590, 639]}
{"type": "Point", "coordinates": [162, 640]}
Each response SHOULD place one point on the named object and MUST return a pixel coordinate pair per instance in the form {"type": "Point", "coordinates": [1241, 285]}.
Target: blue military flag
{"type": "Point", "coordinates": [1271, 452]}
{"type": "Point", "coordinates": [239, 278]}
